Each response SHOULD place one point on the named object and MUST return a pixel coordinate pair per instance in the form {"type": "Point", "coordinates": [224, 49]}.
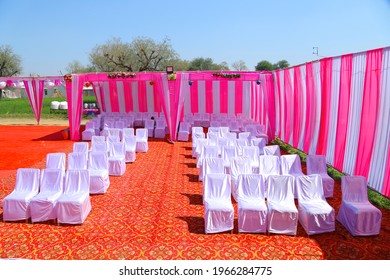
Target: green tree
{"type": "Point", "coordinates": [239, 65]}
{"type": "Point", "coordinates": [201, 63]}
{"type": "Point", "coordinates": [264, 65]}
{"type": "Point", "coordinates": [10, 63]}
{"type": "Point", "coordinates": [281, 64]}
{"type": "Point", "coordinates": [76, 67]}
{"type": "Point", "coordinates": [142, 54]}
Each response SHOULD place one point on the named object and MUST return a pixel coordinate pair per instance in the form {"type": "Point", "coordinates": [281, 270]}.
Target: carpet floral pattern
{"type": "Point", "coordinates": [154, 211]}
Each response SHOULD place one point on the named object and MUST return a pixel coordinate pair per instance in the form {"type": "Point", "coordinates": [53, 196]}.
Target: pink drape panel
{"type": "Point", "coordinates": [270, 104]}
{"type": "Point", "coordinates": [34, 91]}
{"type": "Point", "coordinates": [143, 106]}
{"type": "Point", "coordinates": [223, 96]}
{"type": "Point", "coordinates": [209, 97]}
{"type": "Point", "coordinates": [297, 126]}
{"type": "Point", "coordinates": [326, 88]}
{"type": "Point", "coordinates": [344, 100]}
{"type": "Point", "coordinates": [288, 101]}
{"type": "Point", "coordinates": [386, 183]}
{"type": "Point", "coordinates": [74, 96]}
{"type": "Point", "coordinates": [238, 96]}
{"type": "Point", "coordinates": [194, 97]}
{"type": "Point", "coordinates": [310, 108]}
{"type": "Point", "coordinates": [279, 103]}
{"type": "Point", "coordinates": [113, 94]}
{"type": "Point", "coordinates": [128, 91]}
{"type": "Point", "coordinates": [369, 116]}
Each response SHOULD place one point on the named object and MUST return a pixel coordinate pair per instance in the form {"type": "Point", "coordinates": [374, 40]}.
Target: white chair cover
{"type": "Point", "coordinates": [291, 165]}
{"type": "Point", "coordinates": [207, 152]}
{"type": "Point", "coordinates": [142, 140]}
{"type": "Point", "coordinates": [253, 154]}
{"type": "Point", "coordinates": [74, 204]}
{"type": "Point", "coordinates": [228, 153]}
{"type": "Point", "coordinates": [195, 136]}
{"type": "Point", "coordinates": [218, 209]}
{"type": "Point", "coordinates": [316, 164]}
{"type": "Point", "coordinates": [98, 139]}
{"type": "Point", "coordinates": [16, 205]}
{"type": "Point", "coordinates": [116, 159]}
{"type": "Point", "coordinates": [282, 212]}
{"type": "Point", "coordinates": [272, 150]}
{"type": "Point", "coordinates": [77, 160]}
{"type": "Point", "coordinates": [240, 144]}
{"type": "Point", "coordinates": [259, 142]}
{"type": "Point", "coordinates": [128, 131]}
{"type": "Point", "coordinates": [356, 213]}
{"type": "Point", "coordinates": [98, 172]}
{"type": "Point", "coordinates": [184, 131]}
{"type": "Point", "coordinates": [100, 147]}
{"type": "Point", "coordinates": [252, 210]}
{"type": "Point", "coordinates": [161, 128]}
{"type": "Point", "coordinates": [130, 148]}
{"type": "Point", "coordinates": [239, 165]}
{"type": "Point", "coordinates": [90, 130]}
{"type": "Point", "coordinates": [200, 143]}
{"type": "Point", "coordinates": [269, 165]}
{"type": "Point", "coordinates": [51, 188]}
{"type": "Point", "coordinates": [56, 161]}
{"type": "Point", "coordinates": [211, 165]}
{"type": "Point", "coordinates": [80, 147]}
{"type": "Point", "coordinates": [149, 125]}
{"type": "Point", "coordinates": [315, 214]}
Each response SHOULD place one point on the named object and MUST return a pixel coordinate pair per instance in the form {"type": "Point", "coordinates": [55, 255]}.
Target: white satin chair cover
{"type": "Point", "coordinates": [239, 165]}
{"type": "Point", "coordinates": [211, 165]}
{"type": "Point", "coordinates": [272, 150]}
{"type": "Point", "coordinates": [80, 147]}
{"type": "Point", "coordinates": [16, 205]}
{"type": "Point", "coordinates": [269, 165]}
{"type": "Point", "coordinates": [218, 209]}
{"type": "Point", "coordinates": [253, 154]}
{"type": "Point", "coordinates": [252, 210]}
{"type": "Point", "coordinates": [316, 164]}
{"type": "Point", "coordinates": [184, 131]}
{"type": "Point", "coordinates": [149, 125]}
{"type": "Point", "coordinates": [51, 188]}
{"type": "Point", "coordinates": [77, 160]}
{"type": "Point", "coordinates": [98, 172]}
{"type": "Point", "coordinates": [116, 159]}
{"type": "Point", "coordinates": [130, 148]}
{"type": "Point", "coordinates": [291, 165]}
{"type": "Point", "coordinates": [228, 153]}
{"type": "Point", "coordinates": [282, 212]}
{"type": "Point", "coordinates": [127, 131]}
{"type": "Point", "coordinates": [196, 134]}
{"type": "Point", "coordinates": [315, 213]}
{"type": "Point", "coordinates": [56, 160]}
{"type": "Point", "coordinates": [356, 213]}
{"type": "Point", "coordinates": [74, 204]}
{"type": "Point", "coordinates": [259, 142]}
{"type": "Point", "coordinates": [142, 140]}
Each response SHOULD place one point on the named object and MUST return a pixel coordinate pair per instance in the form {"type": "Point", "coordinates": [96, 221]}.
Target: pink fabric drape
{"type": "Point", "coordinates": [209, 96]}
{"type": "Point", "coordinates": [74, 96]}
{"type": "Point", "coordinates": [310, 108]}
{"type": "Point", "coordinates": [369, 114]}
{"type": "Point", "coordinates": [297, 126]}
{"type": "Point", "coordinates": [223, 92]}
{"type": "Point", "coordinates": [34, 90]}
{"type": "Point", "coordinates": [143, 106]}
{"type": "Point", "coordinates": [278, 96]}
{"type": "Point", "coordinates": [343, 110]}
{"type": "Point", "coordinates": [113, 96]}
{"type": "Point", "coordinates": [238, 96]}
{"type": "Point", "coordinates": [386, 183]}
{"type": "Point", "coordinates": [326, 88]}
{"type": "Point", "coordinates": [270, 105]}
{"type": "Point", "coordinates": [194, 97]}
{"type": "Point", "coordinates": [128, 91]}
{"type": "Point", "coordinates": [289, 98]}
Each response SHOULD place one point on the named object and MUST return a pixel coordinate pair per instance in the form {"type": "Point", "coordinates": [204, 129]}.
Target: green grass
{"type": "Point", "coordinates": [20, 108]}
{"type": "Point", "coordinates": [375, 197]}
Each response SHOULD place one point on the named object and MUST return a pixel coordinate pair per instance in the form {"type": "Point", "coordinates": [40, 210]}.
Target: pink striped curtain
{"type": "Point", "coordinates": [310, 108]}
{"type": "Point", "coordinates": [74, 96]}
{"type": "Point", "coordinates": [369, 114]}
{"type": "Point", "coordinates": [34, 89]}
{"type": "Point", "coordinates": [297, 125]}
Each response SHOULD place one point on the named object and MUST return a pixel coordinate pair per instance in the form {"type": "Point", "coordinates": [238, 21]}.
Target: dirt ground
{"type": "Point", "coordinates": [32, 121]}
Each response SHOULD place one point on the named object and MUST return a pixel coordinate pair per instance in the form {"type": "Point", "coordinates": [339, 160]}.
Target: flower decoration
{"type": "Point", "coordinates": [226, 75]}
{"type": "Point", "coordinates": [121, 75]}
{"type": "Point", "coordinates": [172, 77]}
{"type": "Point", "coordinates": [87, 84]}
{"type": "Point", "coordinates": [151, 83]}
{"type": "Point", "coordinates": [10, 83]}
{"type": "Point", "coordinates": [68, 78]}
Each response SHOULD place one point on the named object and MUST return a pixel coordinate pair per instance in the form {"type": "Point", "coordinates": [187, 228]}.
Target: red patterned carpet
{"type": "Point", "coordinates": [153, 212]}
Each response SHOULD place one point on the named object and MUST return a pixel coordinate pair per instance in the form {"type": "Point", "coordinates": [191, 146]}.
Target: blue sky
{"type": "Point", "coordinates": [49, 34]}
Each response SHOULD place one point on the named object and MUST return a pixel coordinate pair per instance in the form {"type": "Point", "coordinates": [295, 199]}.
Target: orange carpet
{"type": "Point", "coordinates": [153, 212]}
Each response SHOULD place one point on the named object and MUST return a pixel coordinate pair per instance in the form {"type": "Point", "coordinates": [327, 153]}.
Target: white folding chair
{"type": "Point", "coordinates": [316, 164]}
{"type": "Point", "coordinates": [218, 207]}
{"type": "Point", "coordinates": [51, 188]}
{"type": "Point", "coordinates": [161, 128]}
{"type": "Point", "coordinates": [74, 204]}
{"type": "Point", "coordinates": [16, 205]}
{"type": "Point", "coordinates": [252, 210]}
{"type": "Point", "coordinates": [184, 131]}
{"type": "Point", "coordinates": [356, 213]}
{"type": "Point", "coordinates": [253, 154]}
{"type": "Point", "coordinates": [80, 147]}
{"type": "Point", "coordinates": [56, 161]}
{"type": "Point", "coordinates": [269, 165]}
{"type": "Point", "coordinates": [315, 213]}
{"type": "Point", "coordinates": [130, 148]}
{"type": "Point", "coordinates": [77, 160]}
{"type": "Point", "coordinates": [291, 165]}
{"type": "Point", "coordinates": [239, 165]}
{"type": "Point", "coordinates": [98, 172]}
{"type": "Point", "coordinates": [273, 150]}
{"type": "Point", "coordinates": [282, 212]}
{"type": "Point", "coordinates": [211, 165]}
{"type": "Point", "coordinates": [142, 140]}
{"type": "Point", "coordinates": [116, 159]}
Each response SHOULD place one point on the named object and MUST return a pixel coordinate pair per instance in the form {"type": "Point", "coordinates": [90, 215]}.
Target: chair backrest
{"type": "Point", "coordinates": [77, 181]}
{"type": "Point", "coordinates": [316, 164]}
{"type": "Point", "coordinates": [252, 152]}
{"type": "Point", "coordinates": [141, 133]}
{"type": "Point", "coordinates": [309, 188]}
{"type": "Point", "coordinates": [228, 153]}
{"type": "Point", "coordinates": [149, 123]}
{"type": "Point", "coordinates": [240, 165]}
{"type": "Point", "coordinates": [100, 147]}
{"type": "Point", "coordinates": [291, 165]}
{"type": "Point", "coordinates": [52, 180]}
{"type": "Point", "coordinates": [98, 139]}
{"type": "Point", "coordinates": [259, 142]}
{"type": "Point", "coordinates": [354, 189]}
{"type": "Point", "coordinates": [128, 131]}
{"type": "Point", "coordinates": [130, 142]}
{"type": "Point", "coordinates": [209, 151]}
{"type": "Point", "coordinates": [114, 131]}
{"type": "Point", "coordinates": [244, 135]}
{"type": "Point", "coordinates": [98, 161]}
{"type": "Point", "coordinates": [77, 160]}
{"type": "Point", "coordinates": [161, 123]}
{"type": "Point", "coordinates": [56, 160]}
{"type": "Point", "coordinates": [27, 179]}
{"type": "Point", "coordinates": [80, 147]}
{"type": "Point", "coordinates": [196, 129]}
{"type": "Point", "coordinates": [120, 124]}
{"type": "Point", "coordinates": [113, 138]}
{"type": "Point", "coordinates": [117, 149]}
{"type": "Point", "coordinates": [269, 165]}
{"type": "Point", "coordinates": [250, 186]}
{"type": "Point", "coordinates": [272, 150]}
{"type": "Point", "coordinates": [280, 188]}
{"type": "Point", "coordinates": [217, 187]}
{"type": "Point", "coordinates": [213, 166]}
